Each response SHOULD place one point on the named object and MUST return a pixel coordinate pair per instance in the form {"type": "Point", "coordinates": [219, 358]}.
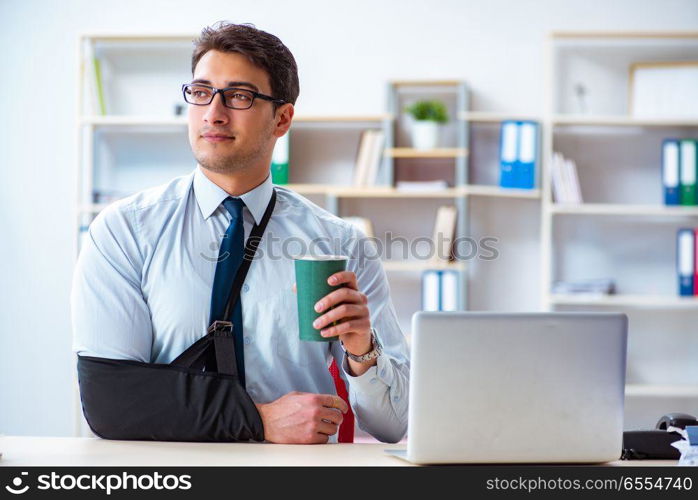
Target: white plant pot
{"type": "Point", "coordinates": [425, 134]}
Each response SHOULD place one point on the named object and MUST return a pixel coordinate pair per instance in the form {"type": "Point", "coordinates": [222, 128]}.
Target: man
{"type": "Point", "coordinates": [143, 284]}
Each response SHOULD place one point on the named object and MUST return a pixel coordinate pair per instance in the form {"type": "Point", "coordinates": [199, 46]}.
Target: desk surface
{"type": "Point", "coordinates": [20, 451]}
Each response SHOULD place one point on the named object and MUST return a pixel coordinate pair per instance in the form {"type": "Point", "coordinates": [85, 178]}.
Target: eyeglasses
{"type": "Point", "coordinates": [232, 97]}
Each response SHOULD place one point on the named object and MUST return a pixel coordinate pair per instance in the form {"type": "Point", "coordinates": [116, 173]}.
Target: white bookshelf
{"type": "Point", "coordinates": [623, 229]}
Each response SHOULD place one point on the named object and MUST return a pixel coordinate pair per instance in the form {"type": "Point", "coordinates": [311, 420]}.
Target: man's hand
{"type": "Point", "coordinates": [347, 317]}
{"type": "Point", "coordinates": [302, 418]}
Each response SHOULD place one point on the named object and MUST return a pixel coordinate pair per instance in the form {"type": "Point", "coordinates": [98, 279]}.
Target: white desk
{"type": "Point", "coordinates": [21, 451]}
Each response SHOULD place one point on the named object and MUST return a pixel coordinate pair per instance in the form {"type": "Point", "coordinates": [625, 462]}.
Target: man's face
{"type": "Point", "coordinates": [228, 140]}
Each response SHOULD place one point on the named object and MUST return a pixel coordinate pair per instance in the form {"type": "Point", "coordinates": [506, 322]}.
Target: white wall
{"type": "Point", "coordinates": [344, 50]}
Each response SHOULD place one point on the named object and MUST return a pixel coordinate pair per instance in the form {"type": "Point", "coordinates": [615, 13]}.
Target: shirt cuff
{"type": "Point", "coordinates": [374, 380]}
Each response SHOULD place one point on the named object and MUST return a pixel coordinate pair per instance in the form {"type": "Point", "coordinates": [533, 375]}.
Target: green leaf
{"type": "Point", "coordinates": [433, 110]}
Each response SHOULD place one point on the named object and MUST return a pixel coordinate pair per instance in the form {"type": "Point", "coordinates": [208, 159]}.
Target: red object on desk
{"type": "Point", "coordinates": [346, 428]}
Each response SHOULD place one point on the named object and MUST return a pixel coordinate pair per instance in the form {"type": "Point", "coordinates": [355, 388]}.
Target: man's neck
{"type": "Point", "coordinates": [236, 184]}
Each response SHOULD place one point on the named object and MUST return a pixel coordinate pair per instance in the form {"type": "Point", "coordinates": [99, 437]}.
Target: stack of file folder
{"type": "Point", "coordinates": [518, 154]}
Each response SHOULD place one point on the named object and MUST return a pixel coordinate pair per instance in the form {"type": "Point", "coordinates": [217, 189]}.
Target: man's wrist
{"type": "Point", "coordinates": [371, 355]}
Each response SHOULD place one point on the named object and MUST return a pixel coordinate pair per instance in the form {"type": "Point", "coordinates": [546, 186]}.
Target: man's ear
{"type": "Point", "coordinates": [283, 118]}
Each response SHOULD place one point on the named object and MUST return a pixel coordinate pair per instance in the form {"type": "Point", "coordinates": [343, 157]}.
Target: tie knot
{"type": "Point", "coordinates": [234, 206]}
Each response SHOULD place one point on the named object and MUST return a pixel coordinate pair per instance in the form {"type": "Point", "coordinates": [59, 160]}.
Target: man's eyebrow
{"type": "Point", "coordinates": [229, 84]}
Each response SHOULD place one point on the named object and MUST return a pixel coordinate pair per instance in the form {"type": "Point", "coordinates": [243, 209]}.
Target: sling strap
{"type": "Point", "coordinates": [198, 355]}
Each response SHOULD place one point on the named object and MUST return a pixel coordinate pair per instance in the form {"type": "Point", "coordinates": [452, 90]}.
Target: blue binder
{"type": "Point", "coordinates": [525, 167]}
{"type": "Point", "coordinates": [671, 158]}
{"type": "Point", "coordinates": [508, 153]}
{"type": "Point", "coordinates": [431, 290]}
{"type": "Point", "coordinates": [449, 290]}
{"type": "Point", "coordinates": [685, 260]}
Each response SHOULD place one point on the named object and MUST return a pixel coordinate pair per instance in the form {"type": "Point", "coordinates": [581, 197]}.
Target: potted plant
{"type": "Point", "coordinates": [428, 115]}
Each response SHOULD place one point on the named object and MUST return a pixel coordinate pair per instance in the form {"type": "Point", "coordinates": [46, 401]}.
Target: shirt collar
{"type": "Point", "coordinates": [209, 196]}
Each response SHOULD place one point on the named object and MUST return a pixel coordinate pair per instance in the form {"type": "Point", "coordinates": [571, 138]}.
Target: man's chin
{"type": "Point", "coordinates": [219, 164]}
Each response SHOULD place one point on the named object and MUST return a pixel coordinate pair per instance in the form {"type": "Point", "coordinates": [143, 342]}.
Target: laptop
{"type": "Point", "coordinates": [516, 388]}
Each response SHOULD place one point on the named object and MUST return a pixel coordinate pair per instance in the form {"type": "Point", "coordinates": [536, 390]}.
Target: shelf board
{"type": "Point", "coordinates": [140, 37]}
{"type": "Point", "coordinates": [312, 188]}
{"type": "Point", "coordinates": [341, 118]}
{"type": "Point", "coordinates": [623, 34]}
{"type": "Point", "coordinates": [666, 391]}
{"type": "Point", "coordinates": [425, 83]}
{"type": "Point", "coordinates": [623, 209]}
{"type": "Point", "coordinates": [426, 153]}
{"type": "Point", "coordinates": [139, 121]}
{"type": "Point", "coordinates": [424, 265]}
{"type": "Point", "coordinates": [383, 192]}
{"type": "Point", "coordinates": [623, 121]}
{"type": "Point", "coordinates": [495, 117]}
{"type": "Point", "coordinates": [496, 191]}
{"type": "Point", "coordinates": [126, 120]}
{"type": "Point", "coordinates": [626, 300]}
{"type": "Point", "coordinates": [391, 192]}
{"type": "Point", "coordinates": [371, 191]}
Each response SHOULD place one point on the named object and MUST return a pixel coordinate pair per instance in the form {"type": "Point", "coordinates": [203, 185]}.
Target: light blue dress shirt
{"type": "Point", "coordinates": [143, 280]}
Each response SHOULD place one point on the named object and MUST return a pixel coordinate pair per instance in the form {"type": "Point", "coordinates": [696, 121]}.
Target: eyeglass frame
{"type": "Point", "coordinates": [222, 91]}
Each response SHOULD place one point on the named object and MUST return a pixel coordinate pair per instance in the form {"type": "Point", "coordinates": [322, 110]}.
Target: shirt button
{"type": "Point", "coordinates": [245, 287]}
{"type": "Point", "coordinates": [248, 340]}
{"type": "Point", "coordinates": [396, 399]}
{"type": "Point", "coordinates": [373, 380]}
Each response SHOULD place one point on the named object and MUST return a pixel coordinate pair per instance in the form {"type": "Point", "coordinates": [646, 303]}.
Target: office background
{"type": "Point", "coordinates": [346, 52]}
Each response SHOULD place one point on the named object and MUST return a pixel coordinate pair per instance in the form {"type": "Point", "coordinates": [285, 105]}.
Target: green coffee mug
{"type": "Point", "coordinates": [311, 285]}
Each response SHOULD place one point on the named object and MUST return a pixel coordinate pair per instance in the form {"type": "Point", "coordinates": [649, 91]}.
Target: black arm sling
{"type": "Point", "coordinates": [197, 397]}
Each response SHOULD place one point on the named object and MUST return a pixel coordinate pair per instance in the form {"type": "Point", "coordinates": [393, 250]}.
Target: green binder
{"type": "Point", "coordinates": [279, 160]}
{"type": "Point", "coordinates": [688, 172]}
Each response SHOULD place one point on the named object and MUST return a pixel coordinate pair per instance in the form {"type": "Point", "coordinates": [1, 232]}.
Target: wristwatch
{"type": "Point", "coordinates": [375, 351]}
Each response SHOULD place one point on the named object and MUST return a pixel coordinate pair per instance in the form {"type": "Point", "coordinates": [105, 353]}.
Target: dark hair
{"type": "Point", "coordinates": [261, 49]}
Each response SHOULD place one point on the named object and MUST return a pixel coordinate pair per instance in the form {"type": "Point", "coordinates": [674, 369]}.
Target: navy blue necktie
{"type": "Point", "coordinates": [229, 260]}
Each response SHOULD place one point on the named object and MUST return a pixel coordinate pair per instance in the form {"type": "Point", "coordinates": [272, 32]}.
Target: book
{"type": "Point", "coordinates": [94, 83]}
{"type": "Point", "coordinates": [603, 286]}
{"type": "Point", "coordinates": [508, 152]}
{"type": "Point", "coordinates": [685, 260]}
{"type": "Point", "coordinates": [374, 158]}
{"type": "Point", "coordinates": [527, 155]}
{"type": "Point", "coordinates": [449, 290]}
{"type": "Point", "coordinates": [431, 291]}
{"type": "Point", "coordinates": [444, 233]}
{"type": "Point", "coordinates": [687, 172]}
{"type": "Point", "coordinates": [280, 159]}
{"type": "Point", "coordinates": [369, 157]}
{"type": "Point", "coordinates": [573, 180]}
{"type": "Point", "coordinates": [670, 171]}
{"type": "Point", "coordinates": [99, 85]}
{"type": "Point", "coordinates": [361, 163]}
{"type": "Point", "coordinates": [565, 180]}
